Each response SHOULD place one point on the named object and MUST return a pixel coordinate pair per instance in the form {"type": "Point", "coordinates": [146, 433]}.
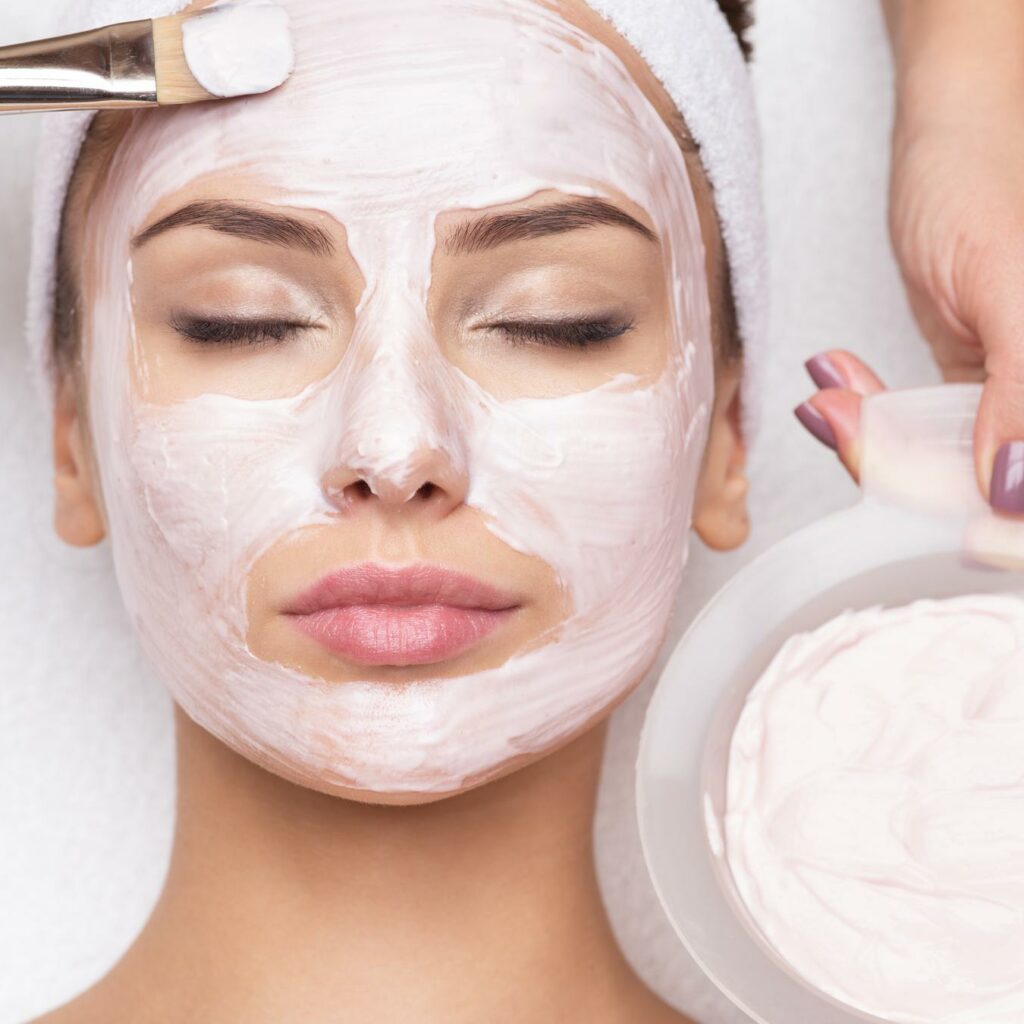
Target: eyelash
{"type": "Point", "coordinates": [568, 333]}
{"type": "Point", "coordinates": [230, 333]}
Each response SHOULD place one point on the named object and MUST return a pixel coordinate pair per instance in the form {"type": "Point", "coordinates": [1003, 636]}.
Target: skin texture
{"type": "Point", "coordinates": [483, 906]}
{"type": "Point", "coordinates": [956, 210]}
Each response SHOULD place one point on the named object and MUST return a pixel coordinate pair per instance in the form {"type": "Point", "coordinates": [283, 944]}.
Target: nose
{"type": "Point", "coordinates": [400, 436]}
{"type": "Point", "coordinates": [426, 481]}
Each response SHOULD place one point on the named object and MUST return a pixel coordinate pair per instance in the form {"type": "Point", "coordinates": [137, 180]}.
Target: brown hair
{"type": "Point", "coordinates": [740, 15]}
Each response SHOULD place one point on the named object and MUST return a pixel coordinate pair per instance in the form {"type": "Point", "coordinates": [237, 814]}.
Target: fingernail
{"type": "Point", "coordinates": [1007, 491]}
{"type": "Point", "coordinates": [816, 424]}
{"type": "Point", "coordinates": [824, 372]}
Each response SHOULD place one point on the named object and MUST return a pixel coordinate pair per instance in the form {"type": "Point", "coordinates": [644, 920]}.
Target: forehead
{"type": "Point", "coordinates": [425, 104]}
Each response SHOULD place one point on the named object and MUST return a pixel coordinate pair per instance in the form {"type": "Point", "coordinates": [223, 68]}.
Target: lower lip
{"type": "Point", "coordinates": [400, 635]}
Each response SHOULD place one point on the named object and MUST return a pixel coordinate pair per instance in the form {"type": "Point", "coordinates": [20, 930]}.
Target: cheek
{"type": "Point", "coordinates": [598, 484]}
{"type": "Point", "coordinates": [217, 480]}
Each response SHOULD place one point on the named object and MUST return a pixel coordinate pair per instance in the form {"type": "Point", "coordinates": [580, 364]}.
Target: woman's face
{"type": "Point", "coordinates": [399, 382]}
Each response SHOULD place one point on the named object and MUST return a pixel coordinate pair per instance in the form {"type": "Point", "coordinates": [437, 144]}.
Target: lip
{"type": "Point", "coordinates": [399, 616]}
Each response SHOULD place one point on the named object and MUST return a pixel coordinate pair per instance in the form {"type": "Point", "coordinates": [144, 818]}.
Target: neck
{"type": "Point", "coordinates": [482, 906]}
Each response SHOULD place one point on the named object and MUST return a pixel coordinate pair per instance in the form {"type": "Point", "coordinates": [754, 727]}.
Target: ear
{"type": "Point", "coordinates": [720, 508]}
{"type": "Point", "coordinates": [77, 517]}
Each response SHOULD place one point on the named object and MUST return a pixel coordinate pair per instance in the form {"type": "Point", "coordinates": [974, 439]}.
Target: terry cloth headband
{"type": "Point", "coordinates": [689, 46]}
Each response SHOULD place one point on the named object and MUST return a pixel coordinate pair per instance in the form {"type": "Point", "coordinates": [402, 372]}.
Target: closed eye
{"type": "Point", "coordinates": [568, 332]}
{"type": "Point", "coordinates": [230, 331]}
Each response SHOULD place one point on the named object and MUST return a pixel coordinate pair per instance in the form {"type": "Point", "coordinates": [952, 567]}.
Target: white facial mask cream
{"type": "Point", "coordinates": [239, 49]}
{"type": "Point", "coordinates": [875, 812]}
{"type": "Point", "coordinates": [399, 111]}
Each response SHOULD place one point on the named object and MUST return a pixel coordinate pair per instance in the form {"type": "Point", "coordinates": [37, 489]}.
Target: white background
{"type": "Point", "coordinates": [86, 789]}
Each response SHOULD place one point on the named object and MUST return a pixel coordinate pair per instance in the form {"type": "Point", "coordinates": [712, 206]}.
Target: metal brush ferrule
{"type": "Point", "coordinates": [108, 68]}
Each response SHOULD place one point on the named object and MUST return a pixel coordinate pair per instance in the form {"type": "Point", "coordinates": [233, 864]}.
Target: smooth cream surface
{"type": "Point", "coordinates": [400, 110]}
{"type": "Point", "coordinates": [875, 821]}
{"type": "Point", "coordinates": [239, 49]}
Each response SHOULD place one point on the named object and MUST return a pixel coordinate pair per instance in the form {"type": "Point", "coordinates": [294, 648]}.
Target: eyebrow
{"type": "Point", "coordinates": [243, 222]}
{"type": "Point", "coordinates": [558, 218]}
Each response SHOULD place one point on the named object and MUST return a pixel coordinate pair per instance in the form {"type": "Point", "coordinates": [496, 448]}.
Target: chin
{"type": "Point", "coordinates": [421, 789]}
{"type": "Point", "coordinates": [412, 794]}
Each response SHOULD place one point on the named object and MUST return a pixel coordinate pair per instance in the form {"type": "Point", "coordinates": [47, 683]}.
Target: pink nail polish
{"type": "Point", "coordinates": [817, 425]}
{"type": "Point", "coordinates": [824, 372]}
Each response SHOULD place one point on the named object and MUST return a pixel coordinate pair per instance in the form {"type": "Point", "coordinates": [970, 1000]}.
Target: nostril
{"type": "Point", "coordinates": [359, 491]}
{"type": "Point", "coordinates": [347, 488]}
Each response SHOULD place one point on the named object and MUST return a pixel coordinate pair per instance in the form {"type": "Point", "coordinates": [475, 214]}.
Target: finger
{"type": "Point", "coordinates": [999, 430]}
{"type": "Point", "coordinates": [838, 368]}
{"type": "Point", "coordinates": [999, 444]}
{"type": "Point", "coordinates": [833, 417]}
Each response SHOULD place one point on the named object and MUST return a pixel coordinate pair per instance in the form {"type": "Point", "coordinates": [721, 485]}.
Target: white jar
{"type": "Point", "coordinates": [921, 529]}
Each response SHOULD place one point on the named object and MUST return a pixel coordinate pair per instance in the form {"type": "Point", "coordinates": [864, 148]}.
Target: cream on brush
{"type": "Point", "coordinates": [222, 51]}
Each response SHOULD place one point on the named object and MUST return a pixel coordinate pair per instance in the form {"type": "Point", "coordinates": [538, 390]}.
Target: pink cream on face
{"type": "Point", "coordinates": [399, 111]}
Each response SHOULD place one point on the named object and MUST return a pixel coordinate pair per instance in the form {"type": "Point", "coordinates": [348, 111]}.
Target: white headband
{"type": "Point", "coordinates": [688, 44]}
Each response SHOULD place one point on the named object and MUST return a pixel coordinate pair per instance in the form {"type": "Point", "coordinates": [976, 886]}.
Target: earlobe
{"type": "Point", "coordinates": [77, 517]}
{"type": "Point", "coordinates": [720, 515]}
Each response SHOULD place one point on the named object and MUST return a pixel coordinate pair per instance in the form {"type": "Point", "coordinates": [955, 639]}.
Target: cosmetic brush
{"type": "Point", "coordinates": [214, 53]}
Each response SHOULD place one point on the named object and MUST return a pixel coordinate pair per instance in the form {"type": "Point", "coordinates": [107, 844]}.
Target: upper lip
{"type": "Point", "coordinates": [402, 586]}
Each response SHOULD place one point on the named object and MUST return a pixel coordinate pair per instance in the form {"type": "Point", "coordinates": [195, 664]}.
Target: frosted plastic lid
{"type": "Point", "coordinates": [918, 455]}
{"type": "Point", "coordinates": [918, 449]}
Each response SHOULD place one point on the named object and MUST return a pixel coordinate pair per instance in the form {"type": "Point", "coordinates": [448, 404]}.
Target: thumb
{"type": "Point", "coordinates": [999, 443]}
{"type": "Point", "coordinates": [999, 431]}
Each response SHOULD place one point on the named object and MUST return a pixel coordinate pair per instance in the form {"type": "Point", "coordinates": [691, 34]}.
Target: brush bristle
{"type": "Point", "coordinates": [175, 83]}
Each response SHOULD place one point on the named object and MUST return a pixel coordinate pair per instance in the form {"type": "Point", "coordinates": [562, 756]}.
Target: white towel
{"type": "Point", "coordinates": [687, 43]}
